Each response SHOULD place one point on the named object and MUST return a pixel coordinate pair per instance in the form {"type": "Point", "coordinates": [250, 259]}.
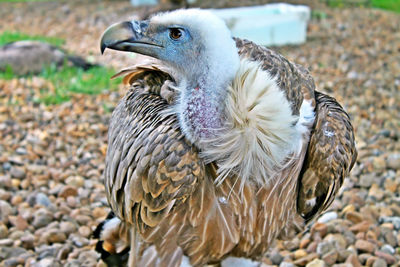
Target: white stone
{"type": "Point", "coordinates": [239, 262]}
{"type": "Point", "coordinates": [326, 217]}
{"type": "Point", "coordinates": [271, 24]}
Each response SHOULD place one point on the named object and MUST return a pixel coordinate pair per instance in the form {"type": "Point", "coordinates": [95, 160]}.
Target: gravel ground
{"type": "Point", "coordinates": [52, 157]}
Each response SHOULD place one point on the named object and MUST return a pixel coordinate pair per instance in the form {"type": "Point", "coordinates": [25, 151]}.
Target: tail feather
{"type": "Point", "coordinates": [113, 244]}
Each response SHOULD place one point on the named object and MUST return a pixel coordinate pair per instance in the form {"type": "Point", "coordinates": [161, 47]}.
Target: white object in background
{"type": "Point", "coordinates": [144, 2]}
{"type": "Point", "coordinates": [152, 2]}
{"type": "Point", "coordinates": [270, 24]}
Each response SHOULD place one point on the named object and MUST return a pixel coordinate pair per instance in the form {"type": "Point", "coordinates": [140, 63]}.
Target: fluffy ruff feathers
{"type": "Point", "coordinates": [259, 132]}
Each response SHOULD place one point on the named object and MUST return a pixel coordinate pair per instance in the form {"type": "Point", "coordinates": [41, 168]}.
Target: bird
{"type": "Point", "coordinates": [219, 147]}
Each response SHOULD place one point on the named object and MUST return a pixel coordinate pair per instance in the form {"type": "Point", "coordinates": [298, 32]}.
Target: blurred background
{"type": "Point", "coordinates": [56, 98]}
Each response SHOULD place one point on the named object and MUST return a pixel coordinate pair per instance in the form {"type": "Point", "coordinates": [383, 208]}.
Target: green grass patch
{"type": "Point", "coordinates": [391, 5]}
{"type": "Point", "coordinates": [75, 80]}
{"type": "Point", "coordinates": [318, 14]}
{"type": "Point", "coordinates": [8, 37]}
{"type": "Point", "coordinates": [68, 80]}
{"type": "Point", "coordinates": [23, 1]}
{"type": "Point", "coordinates": [347, 3]}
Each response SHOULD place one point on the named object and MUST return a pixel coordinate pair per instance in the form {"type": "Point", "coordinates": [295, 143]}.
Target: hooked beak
{"type": "Point", "coordinates": [130, 36]}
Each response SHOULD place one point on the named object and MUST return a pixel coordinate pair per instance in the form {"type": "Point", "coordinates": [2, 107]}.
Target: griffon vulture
{"type": "Point", "coordinates": [219, 147]}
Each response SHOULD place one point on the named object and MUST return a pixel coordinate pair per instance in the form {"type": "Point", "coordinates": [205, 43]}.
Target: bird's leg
{"type": "Point", "coordinates": [133, 251]}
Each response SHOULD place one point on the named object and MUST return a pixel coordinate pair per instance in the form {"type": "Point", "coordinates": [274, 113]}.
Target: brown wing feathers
{"type": "Point", "coordinates": [149, 164]}
{"type": "Point", "coordinates": [330, 157]}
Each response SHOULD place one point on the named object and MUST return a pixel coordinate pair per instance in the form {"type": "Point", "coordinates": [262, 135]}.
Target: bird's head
{"type": "Point", "coordinates": [193, 42]}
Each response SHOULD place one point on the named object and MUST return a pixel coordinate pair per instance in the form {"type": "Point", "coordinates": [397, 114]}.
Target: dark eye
{"type": "Point", "coordinates": [175, 33]}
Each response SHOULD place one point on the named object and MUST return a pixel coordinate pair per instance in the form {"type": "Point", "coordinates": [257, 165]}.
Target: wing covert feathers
{"type": "Point", "coordinates": [330, 157]}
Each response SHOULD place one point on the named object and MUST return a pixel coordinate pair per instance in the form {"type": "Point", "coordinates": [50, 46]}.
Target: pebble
{"type": "Point", "coordinates": [6, 242]}
{"type": "Point", "coordinates": [6, 252]}
{"type": "Point", "coordinates": [388, 249]}
{"type": "Point", "coordinates": [7, 166]}
{"type": "Point", "coordinates": [370, 260]}
{"type": "Point", "coordinates": [366, 180]}
{"type": "Point", "coordinates": [79, 241]}
{"type": "Point", "coordinates": [99, 212]}
{"type": "Point", "coordinates": [365, 246]}
{"type": "Point", "coordinates": [5, 211]}
{"type": "Point", "coordinates": [5, 181]}
{"type": "Point", "coordinates": [363, 257]}
{"type": "Point", "coordinates": [304, 242]}
{"type": "Point", "coordinates": [67, 227]}
{"type": "Point", "coordinates": [73, 263]}
{"type": "Point", "coordinates": [28, 240]}
{"type": "Point", "coordinates": [379, 263]}
{"type": "Point", "coordinates": [42, 218]}
{"type": "Point", "coordinates": [390, 259]}
{"type": "Point", "coordinates": [321, 228]}
{"type": "Point", "coordinates": [85, 231]}
{"type": "Point", "coordinates": [3, 231]}
{"type": "Point", "coordinates": [300, 253]}
{"type": "Point", "coordinates": [54, 236]}
{"type": "Point", "coordinates": [42, 199]}
{"type": "Point", "coordinates": [15, 200]}
{"type": "Point", "coordinates": [390, 238]}
{"type": "Point", "coordinates": [328, 216]}
{"type": "Point", "coordinates": [393, 161]}
{"type": "Point", "coordinates": [19, 222]}
{"type": "Point", "coordinates": [330, 258]}
{"type": "Point", "coordinates": [15, 183]}
{"type": "Point", "coordinates": [306, 259]}
{"type": "Point", "coordinates": [376, 192]}
{"type": "Point", "coordinates": [337, 239]}
{"type": "Point", "coordinates": [275, 257]}
{"type": "Point", "coordinates": [343, 254]}
{"type": "Point", "coordinates": [67, 191]}
{"type": "Point", "coordinates": [360, 227]}
{"type": "Point", "coordinates": [316, 263]}
{"type": "Point", "coordinates": [88, 258]}
{"type": "Point", "coordinates": [312, 247]}
{"type": "Point", "coordinates": [395, 220]}
{"type": "Point", "coordinates": [76, 181]}
{"type": "Point", "coordinates": [353, 260]}
{"type": "Point", "coordinates": [13, 262]}
{"type": "Point", "coordinates": [354, 217]}
{"type": "Point", "coordinates": [21, 151]}
{"type": "Point", "coordinates": [63, 252]}
{"type": "Point", "coordinates": [83, 219]}
{"type": "Point", "coordinates": [4, 195]}
{"type": "Point", "coordinates": [325, 247]}
{"type": "Point", "coordinates": [47, 262]}
{"type": "Point", "coordinates": [17, 173]}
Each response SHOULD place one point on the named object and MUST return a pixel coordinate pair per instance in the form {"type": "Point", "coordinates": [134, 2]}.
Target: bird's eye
{"type": "Point", "coordinates": [175, 33]}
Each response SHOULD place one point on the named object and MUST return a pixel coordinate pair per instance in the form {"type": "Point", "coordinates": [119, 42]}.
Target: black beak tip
{"type": "Point", "coordinates": [103, 47]}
